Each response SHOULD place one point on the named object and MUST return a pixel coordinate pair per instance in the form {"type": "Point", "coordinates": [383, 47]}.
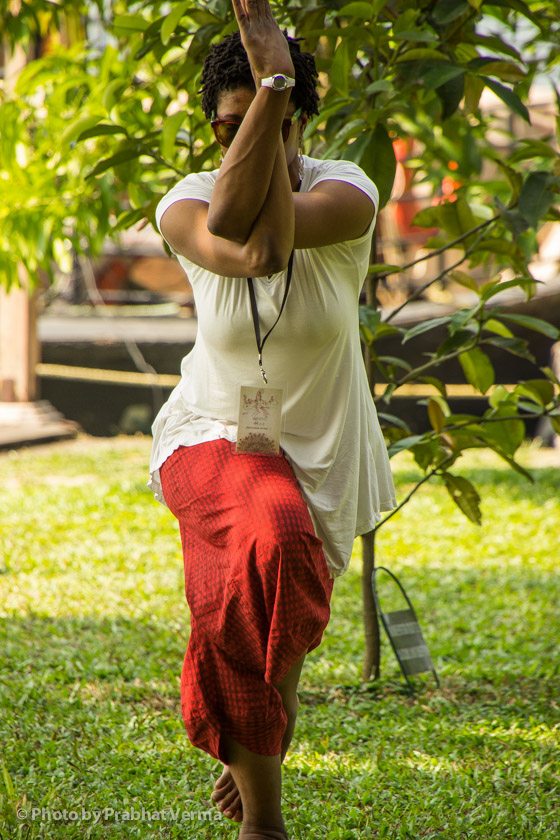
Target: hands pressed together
{"type": "Point", "coordinates": [265, 45]}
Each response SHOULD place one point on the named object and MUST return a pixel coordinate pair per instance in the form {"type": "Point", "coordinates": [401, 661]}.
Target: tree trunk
{"type": "Point", "coordinates": [19, 345]}
{"type": "Point", "coordinates": [372, 651]}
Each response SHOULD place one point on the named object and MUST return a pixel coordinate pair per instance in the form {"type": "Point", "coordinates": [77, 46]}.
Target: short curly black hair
{"type": "Point", "coordinates": [226, 67]}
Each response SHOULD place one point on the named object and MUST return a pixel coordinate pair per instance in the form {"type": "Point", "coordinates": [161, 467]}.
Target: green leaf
{"type": "Point", "coordinates": [510, 98]}
{"type": "Point", "coordinates": [460, 339]}
{"type": "Point", "coordinates": [340, 68]}
{"type": "Point", "coordinates": [101, 129]}
{"type": "Point", "coordinates": [515, 179]}
{"type": "Point", "coordinates": [536, 196]}
{"type": "Point", "coordinates": [455, 217]}
{"type": "Point", "coordinates": [171, 126]}
{"type": "Point", "coordinates": [532, 323]}
{"type": "Point", "coordinates": [506, 70]}
{"type": "Point", "coordinates": [10, 790]}
{"type": "Point", "coordinates": [532, 149]}
{"type": "Point", "coordinates": [450, 94]}
{"type": "Point", "coordinates": [424, 326]}
{"type": "Point", "coordinates": [550, 375]}
{"type": "Point", "coordinates": [497, 246]}
{"type": "Point", "coordinates": [539, 390]}
{"type": "Point", "coordinates": [439, 74]}
{"type": "Point", "coordinates": [507, 433]}
{"type": "Point", "coordinates": [446, 11]}
{"type": "Point", "coordinates": [122, 156]}
{"type": "Point", "coordinates": [404, 443]}
{"type": "Point", "coordinates": [495, 326]}
{"type": "Point", "coordinates": [379, 268]}
{"type": "Point", "coordinates": [462, 318]}
{"type": "Point", "coordinates": [375, 154]}
{"type": "Point", "coordinates": [77, 127]}
{"type": "Point", "coordinates": [489, 291]}
{"type": "Point", "coordinates": [392, 420]}
{"type": "Point", "coordinates": [110, 92]}
{"type": "Point", "coordinates": [170, 23]}
{"type": "Point", "coordinates": [464, 279]}
{"type": "Point", "coordinates": [497, 44]}
{"type": "Point", "coordinates": [555, 424]}
{"type": "Point", "coordinates": [131, 23]}
{"type": "Point", "coordinates": [357, 10]}
{"type": "Point", "coordinates": [436, 415]}
{"type": "Point", "coordinates": [499, 395]}
{"type": "Point", "coordinates": [429, 452]}
{"type": "Point", "coordinates": [515, 346]}
{"type": "Point", "coordinates": [477, 368]}
{"type": "Point", "coordinates": [465, 496]}
{"type": "Point", "coordinates": [473, 91]}
{"type": "Point", "coordinates": [437, 383]}
{"type": "Point", "coordinates": [396, 362]}
{"type": "Point", "coordinates": [369, 323]}
{"type": "Point", "coordinates": [417, 36]}
{"type": "Point", "coordinates": [519, 6]}
{"type": "Point", "coordinates": [387, 329]}
{"type": "Point", "coordinates": [380, 86]}
{"type": "Point", "coordinates": [421, 54]}
{"type": "Point", "coordinates": [129, 218]}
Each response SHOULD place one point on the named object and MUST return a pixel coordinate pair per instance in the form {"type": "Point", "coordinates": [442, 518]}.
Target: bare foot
{"type": "Point", "coordinates": [226, 796]}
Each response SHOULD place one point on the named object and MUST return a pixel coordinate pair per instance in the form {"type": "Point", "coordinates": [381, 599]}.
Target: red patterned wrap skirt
{"type": "Point", "coordinates": [257, 585]}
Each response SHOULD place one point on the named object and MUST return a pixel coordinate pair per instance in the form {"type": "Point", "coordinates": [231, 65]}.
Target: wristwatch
{"type": "Point", "coordinates": [278, 82]}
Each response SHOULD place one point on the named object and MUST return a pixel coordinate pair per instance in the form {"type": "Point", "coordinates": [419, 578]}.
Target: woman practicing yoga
{"type": "Point", "coordinates": [268, 452]}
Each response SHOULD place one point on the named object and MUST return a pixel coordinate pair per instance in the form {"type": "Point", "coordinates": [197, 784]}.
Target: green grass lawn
{"type": "Point", "coordinates": [94, 626]}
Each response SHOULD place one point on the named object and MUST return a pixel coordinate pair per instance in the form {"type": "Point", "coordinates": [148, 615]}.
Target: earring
{"type": "Point", "coordinates": [301, 167]}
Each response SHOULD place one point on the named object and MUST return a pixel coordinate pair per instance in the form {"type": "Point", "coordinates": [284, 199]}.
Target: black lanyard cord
{"type": "Point", "coordinates": [255, 312]}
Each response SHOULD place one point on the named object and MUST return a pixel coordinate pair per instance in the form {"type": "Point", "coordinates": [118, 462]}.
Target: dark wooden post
{"type": "Point", "coordinates": [371, 663]}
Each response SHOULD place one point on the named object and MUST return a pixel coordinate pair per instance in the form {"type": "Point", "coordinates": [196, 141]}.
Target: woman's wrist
{"type": "Point", "coordinates": [272, 70]}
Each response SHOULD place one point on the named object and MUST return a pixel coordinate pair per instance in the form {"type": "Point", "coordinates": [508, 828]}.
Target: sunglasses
{"type": "Point", "coordinates": [225, 130]}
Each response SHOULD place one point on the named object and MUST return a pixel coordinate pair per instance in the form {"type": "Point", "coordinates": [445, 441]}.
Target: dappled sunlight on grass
{"type": "Point", "coordinates": [431, 763]}
{"type": "Point", "coordinates": [517, 731]}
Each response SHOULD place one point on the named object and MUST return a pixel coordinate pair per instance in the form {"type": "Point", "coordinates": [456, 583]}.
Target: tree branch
{"type": "Point", "coordinates": [468, 251]}
{"type": "Point", "coordinates": [422, 481]}
{"type": "Point", "coordinates": [433, 362]}
{"type": "Point", "coordinates": [439, 251]}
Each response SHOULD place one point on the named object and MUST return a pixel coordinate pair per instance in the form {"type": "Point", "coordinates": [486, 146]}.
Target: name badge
{"type": "Point", "coordinates": [260, 420]}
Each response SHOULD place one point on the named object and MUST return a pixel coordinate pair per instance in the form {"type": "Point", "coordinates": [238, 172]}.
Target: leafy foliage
{"type": "Point", "coordinates": [94, 133]}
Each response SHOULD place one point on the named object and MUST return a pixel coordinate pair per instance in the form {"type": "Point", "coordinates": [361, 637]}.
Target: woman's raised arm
{"type": "Point", "coordinates": [246, 171]}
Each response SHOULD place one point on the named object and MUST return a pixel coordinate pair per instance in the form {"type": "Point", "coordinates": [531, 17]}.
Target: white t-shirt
{"type": "Point", "coordinates": [331, 433]}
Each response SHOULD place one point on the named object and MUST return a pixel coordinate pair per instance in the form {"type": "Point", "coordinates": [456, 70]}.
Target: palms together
{"type": "Point", "coordinates": [265, 45]}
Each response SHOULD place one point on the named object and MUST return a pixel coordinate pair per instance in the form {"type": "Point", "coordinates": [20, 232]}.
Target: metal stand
{"type": "Point", "coordinates": [404, 634]}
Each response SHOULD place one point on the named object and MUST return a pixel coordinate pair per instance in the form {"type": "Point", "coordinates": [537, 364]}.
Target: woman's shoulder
{"type": "Point", "coordinates": [318, 166]}
{"type": "Point", "coordinates": [195, 185]}
{"type": "Point", "coordinates": [339, 170]}
{"type": "Point", "coordinates": [194, 181]}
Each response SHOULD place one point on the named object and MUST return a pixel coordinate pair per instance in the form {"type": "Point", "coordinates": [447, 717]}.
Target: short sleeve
{"type": "Point", "coordinates": [196, 185]}
{"type": "Point", "coordinates": [345, 170]}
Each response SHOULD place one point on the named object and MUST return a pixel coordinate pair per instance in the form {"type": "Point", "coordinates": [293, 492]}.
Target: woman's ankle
{"type": "Point", "coordinates": [257, 831]}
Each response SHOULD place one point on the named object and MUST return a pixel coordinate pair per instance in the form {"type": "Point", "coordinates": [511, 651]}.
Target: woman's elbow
{"type": "Point", "coordinates": [223, 227]}
{"type": "Point", "coordinates": [268, 260]}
